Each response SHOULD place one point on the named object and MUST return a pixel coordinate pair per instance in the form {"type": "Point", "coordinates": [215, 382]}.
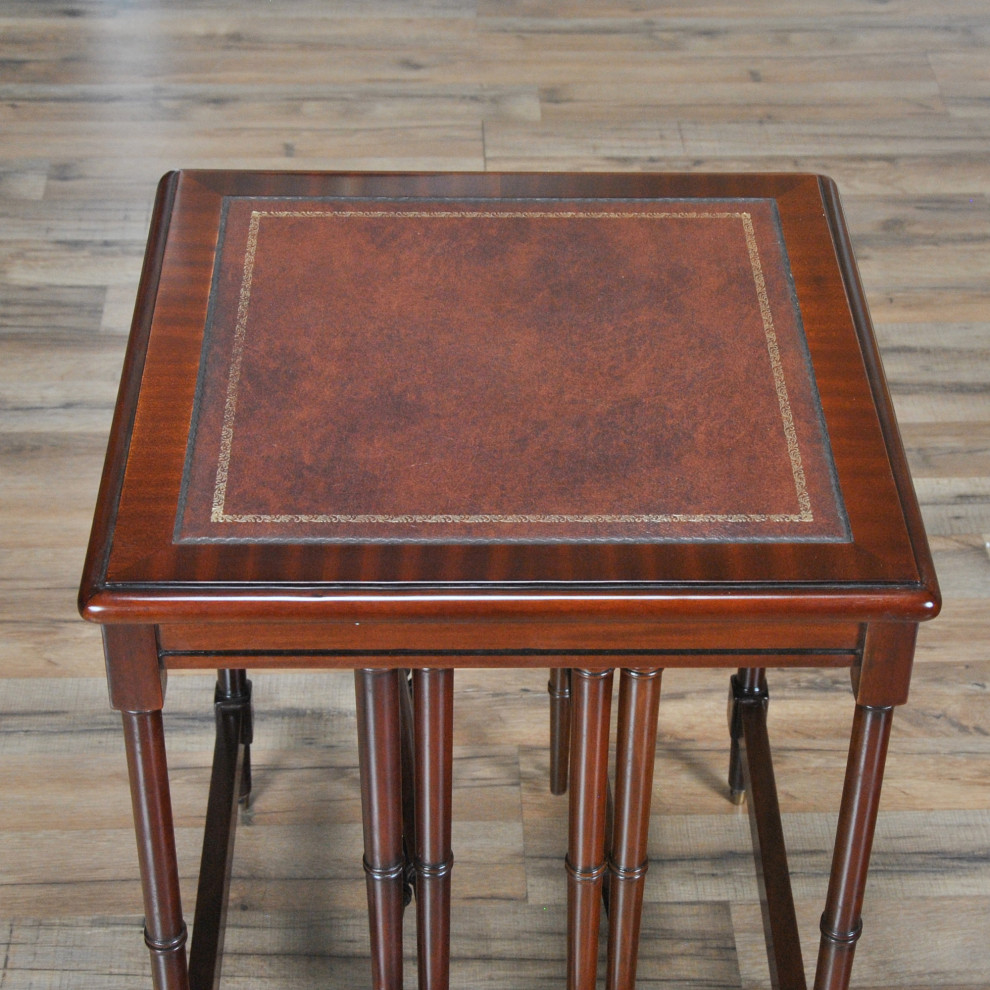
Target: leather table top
{"type": "Point", "coordinates": [462, 381]}
{"type": "Point", "coordinates": [450, 370]}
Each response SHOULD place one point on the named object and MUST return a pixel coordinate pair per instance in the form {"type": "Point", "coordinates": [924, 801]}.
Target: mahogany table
{"type": "Point", "coordinates": [587, 422]}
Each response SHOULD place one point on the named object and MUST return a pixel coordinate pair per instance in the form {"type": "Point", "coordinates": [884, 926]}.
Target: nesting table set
{"type": "Point", "coordinates": [404, 423]}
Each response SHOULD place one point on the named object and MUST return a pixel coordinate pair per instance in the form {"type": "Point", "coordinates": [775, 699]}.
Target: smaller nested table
{"type": "Point", "coordinates": [586, 422]}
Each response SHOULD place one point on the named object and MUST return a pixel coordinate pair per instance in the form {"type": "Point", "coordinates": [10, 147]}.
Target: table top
{"type": "Point", "coordinates": [657, 390]}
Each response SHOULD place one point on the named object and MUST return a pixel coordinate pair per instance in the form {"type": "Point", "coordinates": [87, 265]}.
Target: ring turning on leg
{"type": "Point", "coordinates": [591, 696]}
{"type": "Point", "coordinates": [379, 755]}
{"type": "Point", "coordinates": [639, 701]}
{"type": "Point", "coordinates": [433, 711]}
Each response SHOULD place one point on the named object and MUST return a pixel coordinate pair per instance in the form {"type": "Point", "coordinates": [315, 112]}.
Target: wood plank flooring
{"type": "Point", "coordinates": [98, 98]}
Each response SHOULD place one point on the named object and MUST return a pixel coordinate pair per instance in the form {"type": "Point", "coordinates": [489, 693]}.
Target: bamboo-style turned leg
{"type": "Point", "coordinates": [559, 688]}
{"type": "Point", "coordinates": [165, 931]}
{"type": "Point", "coordinates": [639, 700]}
{"type": "Point", "coordinates": [433, 709]}
{"type": "Point", "coordinates": [404, 678]}
{"type": "Point", "coordinates": [841, 923]}
{"type": "Point", "coordinates": [379, 755]}
{"type": "Point", "coordinates": [591, 696]}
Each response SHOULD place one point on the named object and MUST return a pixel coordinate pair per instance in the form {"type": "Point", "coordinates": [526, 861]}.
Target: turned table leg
{"type": "Point", "coordinates": [559, 688]}
{"type": "Point", "coordinates": [164, 931]}
{"type": "Point", "coordinates": [591, 697]}
{"type": "Point", "coordinates": [433, 710]}
{"type": "Point", "coordinates": [841, 923]}
{"type": "Point", "coordinates": [379, 755]}
{"type": "Point", "coordinates": [404, 678]}
{"type": "Point", "coordinates": [639, 700]}
{"type": "Point", "coordinates": [136, 679]}
{"type": "Point", "coordinates": [880, 682]}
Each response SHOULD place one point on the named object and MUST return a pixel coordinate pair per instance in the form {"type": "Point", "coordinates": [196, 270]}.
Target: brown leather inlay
{"type": "Point", "coordinates": [529, 370]}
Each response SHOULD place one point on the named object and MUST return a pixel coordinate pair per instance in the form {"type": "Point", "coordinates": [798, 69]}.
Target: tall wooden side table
{"type": "Point", "coordinates": [587, 422]}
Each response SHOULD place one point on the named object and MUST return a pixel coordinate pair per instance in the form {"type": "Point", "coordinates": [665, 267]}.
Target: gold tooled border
{"type": "Point", "coordinates": [220, 515]}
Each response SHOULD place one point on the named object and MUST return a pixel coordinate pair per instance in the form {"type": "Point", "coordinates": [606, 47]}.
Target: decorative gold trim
{"type": "Point", "coordinates": [483, 518]}
{"type": "Point", "coordinates": [219, 514]}
{"type": "Point", "coordinates": [787, 417]}
{"type": "Point", "coordinates": [234, 374]}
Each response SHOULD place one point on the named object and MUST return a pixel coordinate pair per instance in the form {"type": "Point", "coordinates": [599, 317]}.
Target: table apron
{"type": "Point", "coordinates": [512, 644]}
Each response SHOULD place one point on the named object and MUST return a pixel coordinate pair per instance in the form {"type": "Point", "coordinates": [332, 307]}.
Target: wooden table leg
{"type": "Point", "coordinates": [559, 688]}
{"type": "Point", "coordinates": [841, 923]}
{"type": "Point", "coordinates": [433, 714]}
{"type": "Point", "coordinates": [748, 723]}
{"type": "Point", "coordinates": [591, 698]}
{"type": "Point", "coordinates": [379, 756]}
{"type": "Point", "coordinates": [232, 710]}
{"type": "Point", "coordinates": [136, 679]}
{"type": "Point", "coordinates": [639, 701]}
{"type": "Point", "coordinates": [164, 931]}
{"type": "Point", "coordinates": [747, 680]}
{"type": "Point", "coordinates": [234, 687]}
{"type": "Point", "coordinates": [408, 782]}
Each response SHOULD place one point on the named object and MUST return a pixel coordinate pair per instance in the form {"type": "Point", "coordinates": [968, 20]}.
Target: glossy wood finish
{"type": "Point", "coordinates": [639, 702]}
{"type": "Point", "coordinates": [559, 688]}
{"type": "Point", "coordinates": [165, 930]}
{"type": "Point", "coordinates": [433, 713]}
{"type": "Point", "coordinates": [534, 642]}
{"type": "Point", "coordinates": [848, 593]}
{"type": "Point", "coordinates": [591, 696]}
{"type": "Point", "coordinates": [230, 785]}
{"type": "Point", "coordinates": [748, 725]}
{"type": "Point", "coordinates": [379, 748]}
{"type": "Point", "coordinates": [144, 574]}
{"type": "Point", "coordinates": [408, 748]}
{"type": "Point", "coordinates": [841, 923]}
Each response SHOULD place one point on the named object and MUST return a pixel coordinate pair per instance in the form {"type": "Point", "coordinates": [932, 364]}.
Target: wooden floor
{"type": "Point", "coordinates": [98, 98]}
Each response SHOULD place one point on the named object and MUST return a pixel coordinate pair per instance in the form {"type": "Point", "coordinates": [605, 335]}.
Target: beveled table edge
{"type": "Point", "coordinates": [542, 604]}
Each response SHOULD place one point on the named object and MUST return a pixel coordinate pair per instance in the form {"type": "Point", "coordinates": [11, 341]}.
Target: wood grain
{"type": "Point", "coordinates": [99, 97]}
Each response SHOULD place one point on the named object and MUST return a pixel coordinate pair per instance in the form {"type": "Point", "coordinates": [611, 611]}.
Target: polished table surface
{"type": "Point", "coordinates": [567, 420]}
